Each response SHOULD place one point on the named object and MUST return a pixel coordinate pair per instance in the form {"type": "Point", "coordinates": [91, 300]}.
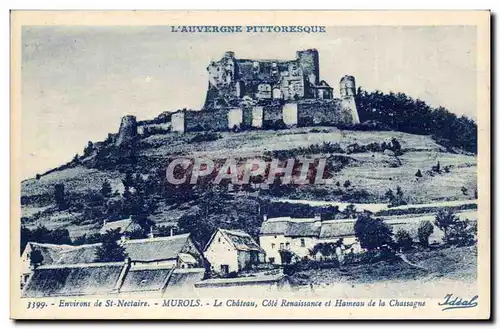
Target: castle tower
{"type": "Point", "coordinates": [229, 54]}
{"type": "Point", "coordinates": [347, 86]}
{"type": "Point", "coordinates": [128, 130]}
{"type": "Point", "coordinates": [309, 62]}
{"type": "Point", "coordinates": [348, 99]}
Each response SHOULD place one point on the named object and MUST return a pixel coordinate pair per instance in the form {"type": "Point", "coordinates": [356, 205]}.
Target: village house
{"type": "Point", "coordinates": [117, 278]}
{"type": "Point", "coordinates": [176, 251]}
{"type": "Point", "coordinates": [124, 226]}
{"type": "Point", "coordinates": [232, 251]}
{"type": "Point", "coordinates": [300, 235]}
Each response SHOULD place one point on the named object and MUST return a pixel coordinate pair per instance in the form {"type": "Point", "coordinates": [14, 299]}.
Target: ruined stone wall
{"type": "Point", "coordinates": [178, 122]}
{"type": "Point", "coordinates": [234, 118]}
{"type": "Point", "coordinates": [290, 114]}
{"type": "Point", "coordinates": [272, 113]}
{"type": "Point", "coordinates": [330, 112]}
{"type": "Point", "coordinates": [216, 120]}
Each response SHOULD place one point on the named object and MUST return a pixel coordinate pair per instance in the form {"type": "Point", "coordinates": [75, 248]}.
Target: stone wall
{"type": "Point", "coordinates": [216, 120]}
{"type": "Point", "coordinates": [234, 118]}
{"type": "Point", "coordinates": [290, 114]}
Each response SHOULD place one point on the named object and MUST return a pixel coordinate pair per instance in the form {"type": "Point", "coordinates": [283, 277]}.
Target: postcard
{"type": "Point", "coordinates": [250, 165]}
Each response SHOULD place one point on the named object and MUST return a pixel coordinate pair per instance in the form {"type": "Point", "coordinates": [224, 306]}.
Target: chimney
{"type": "Point", "coordinates": [151, 234]}
{"type": "Point", "coordinates": [265, 217]}
{"type": "Point", "coordinates": [173, 231]}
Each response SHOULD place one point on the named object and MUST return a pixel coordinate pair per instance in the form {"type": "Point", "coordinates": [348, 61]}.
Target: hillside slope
{"type": "Point", "coordinates": [370, 174]}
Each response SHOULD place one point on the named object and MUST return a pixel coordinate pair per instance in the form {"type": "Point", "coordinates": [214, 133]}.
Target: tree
{"type": "Point", "coordinates": [424, 232]}
{"type": "Point", "coordinates": [461, 233]}
{"type": "Point", "coordinates": [347, 183]}
{"type": "Point", "coordinates": [372, 233]}
{"type": "Point", "coordinates": [110, 250]}
{"type": "Point", "coordinates": [419, 173]}
{"type": "Point", "coordinates": [89, 149]}
{"type": "Point", "coordinates": [403, 239]}
{"type": "Point", "coordinates": [128, 181]}
{"type": "Point", "coordinates": [444, 219]}
{"type": "Point", "coordinates": [106, 189]}
{"type": "Point", "coordinates": [286, 256]}
{"type": "Point", "coordinates": [60, 197]}
{"type": "Point", "coordinates": [389, 195]}
{"type": "Point", "coordinates": [350, 211]}
{"type": "Point", "coordinates": [464, 190]}
{"type": "Point", "coordinates": [36, 258]}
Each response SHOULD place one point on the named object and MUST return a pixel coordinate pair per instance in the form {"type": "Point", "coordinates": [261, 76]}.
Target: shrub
{"type": "Point", "coordinates": [286, 256]}
{"type": "Point", "coordinates": [204, 137]}
{"type": "Point", "coordinates": [464, 190]}
{"type": "Point", "coordinates": [461, 233]}
{"type": "Point", "coordinates": [424, 232]}
{"type": "Point", "coordinates": [403, 239]}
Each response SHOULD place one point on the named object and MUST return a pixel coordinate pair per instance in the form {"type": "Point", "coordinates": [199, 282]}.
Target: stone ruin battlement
{"type": "Point", "coordinates": [261, 94]}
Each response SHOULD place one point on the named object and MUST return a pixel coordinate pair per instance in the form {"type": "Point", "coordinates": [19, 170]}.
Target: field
{"type": "Point", "coordinates": [453, 268]}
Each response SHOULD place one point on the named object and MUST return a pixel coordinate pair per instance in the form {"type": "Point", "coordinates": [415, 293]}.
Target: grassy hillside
{"type": "Point", "coordinates": [370, 174]}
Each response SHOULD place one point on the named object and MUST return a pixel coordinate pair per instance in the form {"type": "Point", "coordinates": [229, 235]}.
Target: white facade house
{"type": "Point", "coordinates": [300, 235]}
{"type": "Point", "coordinates": [232, 251]}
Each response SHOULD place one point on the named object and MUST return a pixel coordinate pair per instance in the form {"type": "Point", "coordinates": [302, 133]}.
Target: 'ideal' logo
{"type": "Point", "coordinates": [452, 302]}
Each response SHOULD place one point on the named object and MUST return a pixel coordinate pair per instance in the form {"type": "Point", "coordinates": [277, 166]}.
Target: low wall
{"type": "Point", "coordinates": [216, 120]}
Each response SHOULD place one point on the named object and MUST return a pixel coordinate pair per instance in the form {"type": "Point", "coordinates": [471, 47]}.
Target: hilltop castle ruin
{"type": "Point", "coordinates": [263, 93]}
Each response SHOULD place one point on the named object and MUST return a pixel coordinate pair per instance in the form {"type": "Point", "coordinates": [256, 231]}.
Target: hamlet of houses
{"type": "Point", "coordinates": [174, 265]}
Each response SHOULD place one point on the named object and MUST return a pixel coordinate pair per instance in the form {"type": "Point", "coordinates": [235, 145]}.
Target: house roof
{"type": "Point", "coordinates": [78, 254]}
{"type": "Point", "coordinates": [73, 280]}
{"type": "Point", "coordinates": [187, 258]}
{"type": "Point", "coordinates": [125, 225]}
{"type": "Point", "coordinates": [50, 252]}
{"type": "Point", "coordinates": [240, 240]}
{"type": "Point", "coordinates": [156, 248]}
{"type": "Point", "coordinates": [293, 227]}
{"type": "Point", "coordinates": [336, 228]}
{"type": "Point", "coordinates": [103, 279]}
{"type": "Point", "coordinates": [182, 281]}
{"type": "Point", "coordinates": [145, 279]}
{"type": "Point", "coordinates": [146, 250]}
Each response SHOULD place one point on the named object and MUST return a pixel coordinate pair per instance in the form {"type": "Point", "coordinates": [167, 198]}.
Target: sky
{"type": "Point", "coordinates": [77, 82]}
